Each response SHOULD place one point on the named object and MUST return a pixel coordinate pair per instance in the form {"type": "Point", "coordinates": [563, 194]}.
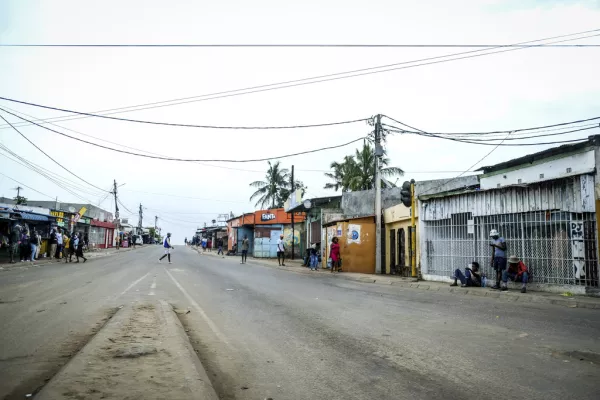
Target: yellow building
{"type": "Point", "coordinates": [397, 240]}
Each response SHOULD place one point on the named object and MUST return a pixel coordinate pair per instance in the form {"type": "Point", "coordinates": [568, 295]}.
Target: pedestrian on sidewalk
{"type": "Point", "coordinates": [39, 246]}
{"type": "Point", "coordinates": [71, 249]}
{"type": "Point", "coordinates": [79, 248]}
{"type": "Point", "coordinates": [471, 277]}
{"type": "Point", "coordinates": [517, 272]}
{"type": "Point", "coordinates": [34, 243]}
{"type": "Point", "coordinates": [53, 243]}
{"type": "Point", "coordinates": [313, 258]}
{"type": "Point", "coordinates": [334, 254]}
{"type": "Point", "coordinates": [14, 241]}
{"type": "Point", "coordinates": [67, 243]}
{"type": "Point", "coordinates": [167, 246]}
{"type": "Point", "coordinates": [281, 251]}
{"type": "Point", "coordinates": [24, 249]}
{"type": "Point", "coordinates": [59, 243]}
{"type": "Point", "coordinates": [245, 247]}
{"type": "Point", "coordinates": [498, 256]}
{"type": "Point", "coordinates": [204, 243]}
{"type": "Point", "coordinates": [220, 246]}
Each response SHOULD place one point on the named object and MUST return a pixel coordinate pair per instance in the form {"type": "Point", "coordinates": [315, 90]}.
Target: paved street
{"type": "Point", "coordinates": [262, 332]}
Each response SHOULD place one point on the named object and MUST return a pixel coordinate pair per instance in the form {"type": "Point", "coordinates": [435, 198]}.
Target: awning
{"type": "Point", "coordinates": [33, 217]}
{"type": "Point", "coordinates": [102, 224]}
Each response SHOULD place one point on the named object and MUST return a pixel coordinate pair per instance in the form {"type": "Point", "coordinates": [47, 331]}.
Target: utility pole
{"type": "Point", "coordinates": [140, 221]}
{"type": "Point", "coordinates": [292, 196]}
{"type": "Point", "coordinates": [114, 193]}
{"type": "Point", "coordinates": [378, 154]}
{"type": "Point", "coordinates": [413, 225]}
{"type": "Point", "coordinates": [18, 189]}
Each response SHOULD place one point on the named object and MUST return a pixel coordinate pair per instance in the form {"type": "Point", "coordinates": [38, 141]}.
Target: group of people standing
{"type": "Point", "coordinates": [67, 245]}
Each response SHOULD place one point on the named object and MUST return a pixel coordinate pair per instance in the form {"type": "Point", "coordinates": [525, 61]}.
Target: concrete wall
{"type": "Point", "coordinates": [358, 254]}
{"type": "Point", "coordinates": [363, 202]}
{"type": "Point", "coordinates": [445, 185]}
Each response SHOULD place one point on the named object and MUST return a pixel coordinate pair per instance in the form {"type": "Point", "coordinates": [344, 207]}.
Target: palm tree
{"type": "Point", "coordinates": [269, 190]}
{"type": "Point", "coordinates": [342, 174]}
{"type": "Point", "coordinates": [358, 172]}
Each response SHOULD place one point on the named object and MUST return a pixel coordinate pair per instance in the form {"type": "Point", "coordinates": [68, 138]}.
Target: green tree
{"type": "Point", "coordinates": [269, 190]}
{"type": "Point", "coordinates": [284, 193]}
{"type": "Point", "coordinates": [20, 200]}
{"type": "Point", "coordinates": [357, 172]}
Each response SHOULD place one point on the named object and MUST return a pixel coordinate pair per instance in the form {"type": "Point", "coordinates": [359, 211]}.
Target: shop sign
{"type": "Point", "coordinates": [59, 217]}
{"type": "Point", "coordinates": [267, 217]}
{"type": "Point", "coordinates": [77, 216]}
{"type": "Point", "coordinates": [84, 221]}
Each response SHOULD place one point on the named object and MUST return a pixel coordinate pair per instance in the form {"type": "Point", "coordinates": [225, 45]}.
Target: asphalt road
{"type": "Point", "coordinates": [263, 332]}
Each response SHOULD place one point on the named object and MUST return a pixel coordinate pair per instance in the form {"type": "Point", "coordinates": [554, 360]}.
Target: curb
{"type": "Point", "coordinates": [409, 283]}
{"type": "Point", "coordinates": [194, 371]}
{"type": "Point", "coordinates": [49, 260]}
{"type": "Point", "coordinates": [170, 343]}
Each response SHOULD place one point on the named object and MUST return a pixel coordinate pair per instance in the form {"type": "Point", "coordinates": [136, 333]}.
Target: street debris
{"type": "Point", "coordinates": [245, 387]}
{"type": "Point", "coordinates": [135, 351]}
{"type": "Point", "coordinates": [229, 289]}
{"type": "Point", "coordinates": [112, 340]}
{"type": "Point", "coordinates": [41, 310]}
{"type": "Point", "coordinates": [180, 311]}
{"type": "Point", "coordinates": [567, 294]}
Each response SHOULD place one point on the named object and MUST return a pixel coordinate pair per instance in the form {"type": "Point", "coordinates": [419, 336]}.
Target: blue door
{"type": "Point", "coordinates": [273, 242]}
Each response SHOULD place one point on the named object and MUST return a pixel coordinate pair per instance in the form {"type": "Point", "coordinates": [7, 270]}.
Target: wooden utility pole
{"type": "Point", "coordinates": [292, 196]}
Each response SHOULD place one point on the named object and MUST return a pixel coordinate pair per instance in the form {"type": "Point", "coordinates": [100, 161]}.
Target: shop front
{"type": "Point", "coordinates": [269, 226]}
{"type": "Point", "coordinates": [356, 237]}
{"type": "Point", "coordinates": [101, 234]}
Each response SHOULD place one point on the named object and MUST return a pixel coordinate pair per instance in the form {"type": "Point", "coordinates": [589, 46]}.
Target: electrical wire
{"type": "Point", "coordinates": [26, 164]}
{"type": "Point", "coordinates": [140, 121]}
{"type": "Point", "coordinates": [287, 45]}
{"type": "Point", "coordinates": [46, 154]}
{"type": "Point", "coordinates": [36, 168]}
{"type": "Point", "coordinates": [469, 169]}
{"type": "Point", "coordinates": [174, 158]}
{"type": "Point", "coordinates": [512, 131]}
{"type": "Point", "coordinates": [28, 187]}
{"type": "Point", "coordinates": [316, 79]}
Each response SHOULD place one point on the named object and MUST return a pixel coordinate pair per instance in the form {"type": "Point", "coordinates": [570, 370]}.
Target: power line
{"type": "Point", "coordinates": [46, 154]}
{"type": "Point", "coordinates": [317, 79]}
{"type": "Point", "coordinates": [287, 45]}
{"type": "Point", "coordinates": [28, 187]}
{"type": "Point", "coordinates": [174, 158]}
{"type": "Point", "coordinates": [469, 169]}
{"type": "Point", "coordinates": [139, 121]}
{"type": "Point", "coordinates": [512, 131]}
{"type": "Point", "coordinates": [24, 162]}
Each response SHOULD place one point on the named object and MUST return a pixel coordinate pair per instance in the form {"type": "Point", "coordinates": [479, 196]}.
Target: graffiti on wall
{"type": "Point", "coordinates": [287, 236]}
{"type": "Point", "coordinates": [578, 249]}
{"type": "Point", "coordinates": [353, 234]}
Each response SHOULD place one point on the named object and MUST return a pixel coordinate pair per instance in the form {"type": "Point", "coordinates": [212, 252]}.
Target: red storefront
{"type": "Point", "coordinates": [101, 234]}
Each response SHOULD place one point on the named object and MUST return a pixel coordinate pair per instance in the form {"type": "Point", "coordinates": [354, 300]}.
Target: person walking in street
{"type": "Point", "coordinates": [59, 243]}
{"type": "Point", "coordinates": [53, 243]}
{"type": "Point", "coordinates": [204, 243]}
{"type": "Point", "coordinates": [517, 272]}
{"type": "Point", "coordinates": [334, 254]}
{"type": "Point", "coordinates": [220, 246]}
{"type": "Point", "coordinates": [168, 247]}
{"type": "Point", "coordinates": [34, 243]}
{"type": "Point", "coordinates": [79, 248]}
{"type": "Point", "coordinates": [498, 256]}
{"type": "Point", "coordinates": [281, 251]}
{"type": "Point", "coordinates": [245, 247]}
{"type": "Point", "coordinates": [86, 242]}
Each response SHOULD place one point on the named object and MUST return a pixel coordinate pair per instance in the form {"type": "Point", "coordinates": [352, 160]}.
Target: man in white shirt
{"type": "Point", "coordinates": [281, 251]}
{"type": "Point", "coordinates": [59, 243]}
{"type": "Point", "coordinates": [167, 246]}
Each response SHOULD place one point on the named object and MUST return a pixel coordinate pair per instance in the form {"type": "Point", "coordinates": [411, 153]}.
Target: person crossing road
{"type": "Point", "coordinates": [168, 247]}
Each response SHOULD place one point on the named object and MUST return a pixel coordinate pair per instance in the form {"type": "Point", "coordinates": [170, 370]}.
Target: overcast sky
{"type": "Point", "coordinates": [505, 91]}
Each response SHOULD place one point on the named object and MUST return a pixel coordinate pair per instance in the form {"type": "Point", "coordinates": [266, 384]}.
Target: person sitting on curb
{"type": "Point", "coordinates": [471, 277]}
{"type": "Point", "coordinates": [517, 272]}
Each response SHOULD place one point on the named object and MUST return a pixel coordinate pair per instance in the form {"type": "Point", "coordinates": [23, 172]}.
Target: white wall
{"type": "Point", "coordinates": [575, 164]}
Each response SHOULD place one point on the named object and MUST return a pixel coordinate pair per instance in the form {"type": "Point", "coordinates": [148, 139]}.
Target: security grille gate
{"type": "Point", "coordinates": [401, 250]}
{"type": "Point", "coordinates": [558, 247]}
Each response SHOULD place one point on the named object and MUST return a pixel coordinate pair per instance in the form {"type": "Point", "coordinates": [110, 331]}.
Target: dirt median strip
{"type": "Point", "coordinates": [143, 353]}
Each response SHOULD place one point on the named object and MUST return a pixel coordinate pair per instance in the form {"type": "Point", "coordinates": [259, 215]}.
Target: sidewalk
{"type": "Point", "coordinates": [5, 265]}
{"type": "Point", "coordinates": [513, 295]}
